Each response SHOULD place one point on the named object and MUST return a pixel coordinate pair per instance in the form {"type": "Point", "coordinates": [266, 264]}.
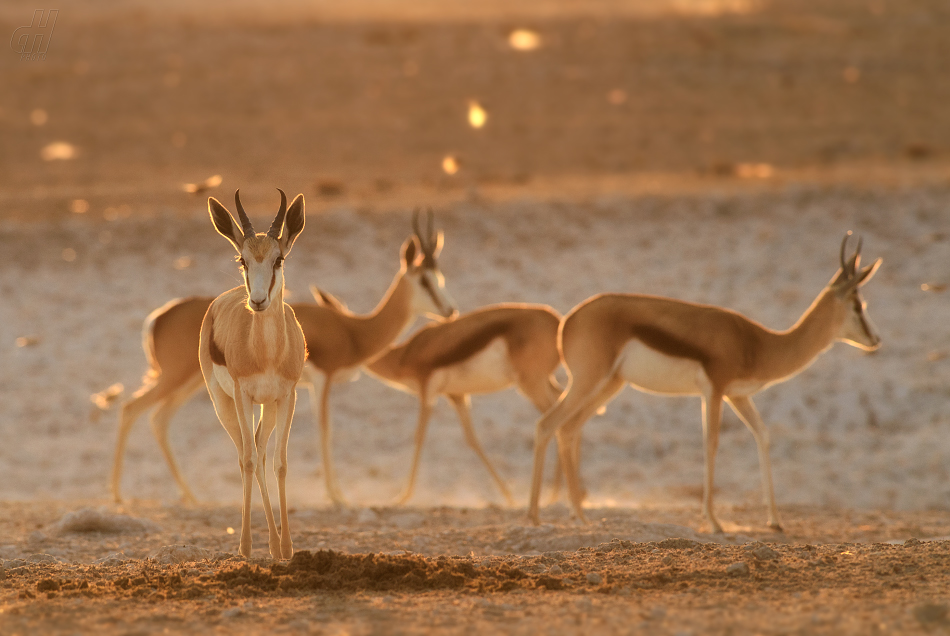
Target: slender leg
{"type": "Point", "coordinates": [284, 414]}
{"type": "Point", "coordinates": [544, 393]}
{"type": "Point", "coordinates": [712, 418]}
{"type": "Point", "coordinates": [569, 440]}
{"type": "Point", "coordinates": [326, 433]}
{"type": "Point", "coordinates": [463, 406]}
{"type": "Point", "coordinates": [425, 412]}
{"type": "Point", "coordinates": [244, 409]}
{"type": "Point", "coordinates": [224, 406]}
{"type": "Point", "coordinates": [141, 401]}
{"type": "Point", "coordinates": [161, 419]}
{"type": "Point", "coordinates": [747, 412]}
{"type": "Point", "coordinates": [264, 430]}
{"type": "Point", "coordinates": [568, 405]}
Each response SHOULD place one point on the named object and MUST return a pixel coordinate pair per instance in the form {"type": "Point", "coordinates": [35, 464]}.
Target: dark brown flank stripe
{"type": "Point", "coordinates": [468, 347]}
{"type": "Point", "coordinates": [217, 356]}
{"type": "Point", "coordinates": [665, 343]}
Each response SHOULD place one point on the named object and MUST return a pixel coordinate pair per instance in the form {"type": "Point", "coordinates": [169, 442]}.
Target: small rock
{"type": "Point", "coordinates": [911, 542]}
{"type": "Point", "coordinates": [8, 551]}
{"type": "Point", "coordinates": [764, 553]}
{"type": "Point", "coordinates": [666, 560]}
{"type": "Point", "coordinates": [44, 558]}
{"type": "Point", "coordinates": [367, 516]}
{"type": "Point", "coordinates": [930, 613]}
{"type": "Point", "coordinates": [232, 612]}
{"type": "Point", "coordinates": [677, 543]}
{"type": "Point", "coordinates": [101, 520]}
{"type": "Point", "coordinates": [408, 520]}
{"type": "Point", "coordinates": [738, 569]}
{"type": "Point", "coordinates": [594, 578]}
{"type": "Point", "coordinates": [170, 554]}
{"type": "Point", "coordinates": [555, 569]}
{"type": "Point", "coordinates": [116, 558]}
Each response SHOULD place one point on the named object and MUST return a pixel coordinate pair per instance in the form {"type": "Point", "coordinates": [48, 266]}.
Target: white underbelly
{"type": "Point", "coordinates": [262, 388]}
{"type": "Point", "coordinates": [649, 370]}
{"type": "Point", "coordinates": [487, 371]}
{"type": "Point", "coordinates": [744, 388]}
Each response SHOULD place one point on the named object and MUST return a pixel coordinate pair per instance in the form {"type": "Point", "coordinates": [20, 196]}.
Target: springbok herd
{"type": "Point", "coordinates": [253, 348]}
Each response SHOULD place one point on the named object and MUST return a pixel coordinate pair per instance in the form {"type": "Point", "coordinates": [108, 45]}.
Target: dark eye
{"type": "Point", "coordinates": [278, 262]}
{"type": "Point", "coordinates": [243, 262]}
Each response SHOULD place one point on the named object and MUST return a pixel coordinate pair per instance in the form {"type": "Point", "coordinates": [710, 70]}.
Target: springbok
{"type": "Point", "coordinates": [483, 351]}
{"type": "Point", "coordinates": [338, 342]}
{"type": "Point", "coordinates": [672, 347]}
{"type": "Point", "coordinates": [252, 351]}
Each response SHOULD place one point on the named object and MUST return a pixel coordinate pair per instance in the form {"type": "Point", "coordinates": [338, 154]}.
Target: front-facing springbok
{"type": "Point", "coordinates": [252, 351]}
{"type": "Point", "coordinates": [338, 341]}
{"type": "Point", "coordinates": [672, 347]}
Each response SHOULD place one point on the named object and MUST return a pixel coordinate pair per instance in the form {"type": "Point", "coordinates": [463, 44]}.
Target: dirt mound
{"type": "Point", "coordinates": [330, 570]}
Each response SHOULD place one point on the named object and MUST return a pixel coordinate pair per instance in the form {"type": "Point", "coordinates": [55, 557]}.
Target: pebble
{"type": "Point", "coordinates": [367, 516]}
{"type": "Point", "coordinates": [764, 553]}
{"type": "Point", "coordinates": [555, 569]}
{"type": "Point", "coordinates": [594, 578]}
{"type": "Point", "coordinates": [738, 569]}
{"type": "Point", "coordinates": [170, 554]}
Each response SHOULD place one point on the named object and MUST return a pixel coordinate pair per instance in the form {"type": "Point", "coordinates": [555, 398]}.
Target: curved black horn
{"type": "Point", "coordinates": [430, 222]}
{"type": "Point", "coordinates": [246, 226]}
{"type": "Point", "coordinates": [415, 222]}
{"type": "Point", "coordinates": [278, 224]}
{"type": "Point", "coordinates": [844, 244]}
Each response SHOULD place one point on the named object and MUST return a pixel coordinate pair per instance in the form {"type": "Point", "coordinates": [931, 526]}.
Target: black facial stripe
{"type": "Point", "coordinates": [427, 285]}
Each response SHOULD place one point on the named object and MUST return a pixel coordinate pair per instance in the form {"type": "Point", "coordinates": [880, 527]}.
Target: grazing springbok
{"type": "Point", "coordinates": [252, 351]}
{"type": "Point", "coordinates": [483, 351]}
{"type": "Point", "coordinates": [672, 347]}
{"type": "Point", "coordinates": [338, 342]}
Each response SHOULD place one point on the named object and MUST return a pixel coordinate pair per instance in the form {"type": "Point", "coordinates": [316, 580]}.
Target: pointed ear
{"type": "Point", "coordinates": [293, 224]}
{"type": "Point", "coordinates": [868, 272]}
{"type": "Point", "coordinates": [224, 223]}
{"type": "Point", "coordinates": [411, 252]}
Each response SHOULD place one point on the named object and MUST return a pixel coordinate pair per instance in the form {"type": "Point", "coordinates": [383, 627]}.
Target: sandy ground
{"type": "Point", "coordinates": [740, 147]}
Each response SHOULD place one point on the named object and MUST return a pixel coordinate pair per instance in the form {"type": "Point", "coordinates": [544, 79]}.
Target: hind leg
{"type": "Point", "coordinates": [463, 406]}
{"type": "Point", "coordinates": [142, 400]}
{"type": "Point", "coordinates": [569, 440]}
{"type": "Point", "coordinates": [160, 421]}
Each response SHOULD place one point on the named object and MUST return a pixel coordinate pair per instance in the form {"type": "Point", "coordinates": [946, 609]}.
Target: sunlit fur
{"type": "Point", "coordinates": [251, 351]}
{"type": "Point", "coordinates": [338, 342]}
{"type": "Point", "coordinates": [483, 351]}
{"type": "Point", "coordinates": [674, 347]}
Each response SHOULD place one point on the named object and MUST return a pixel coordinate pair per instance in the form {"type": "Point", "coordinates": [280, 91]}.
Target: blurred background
{"type": "Point", "coordinates": [383, 101]}
{"type": "Point", "coordinates": [711, 150]}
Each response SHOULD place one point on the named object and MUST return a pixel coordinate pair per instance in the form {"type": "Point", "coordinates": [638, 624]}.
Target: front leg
{"type": "Point", "coordinates": [747, 412]}
{"type": "Point", "coordinates": [244, 408]}
{"type": "Point", "coordinates": [284, 415]}
{"type": "Point", "coordinates": [712, 417]}
{"type": "Point", "coordinates": [264, 430]}
{"type": "Point", "coordinates": [425, 412]}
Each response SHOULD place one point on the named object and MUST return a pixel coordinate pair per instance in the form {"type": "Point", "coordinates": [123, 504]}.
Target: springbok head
{"type": "Point", "coordinates": [420, 260]}
{"type": "Point", "coordinates": [857, 328]}
{"type": "Point", "coordinates": [261, 255]}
